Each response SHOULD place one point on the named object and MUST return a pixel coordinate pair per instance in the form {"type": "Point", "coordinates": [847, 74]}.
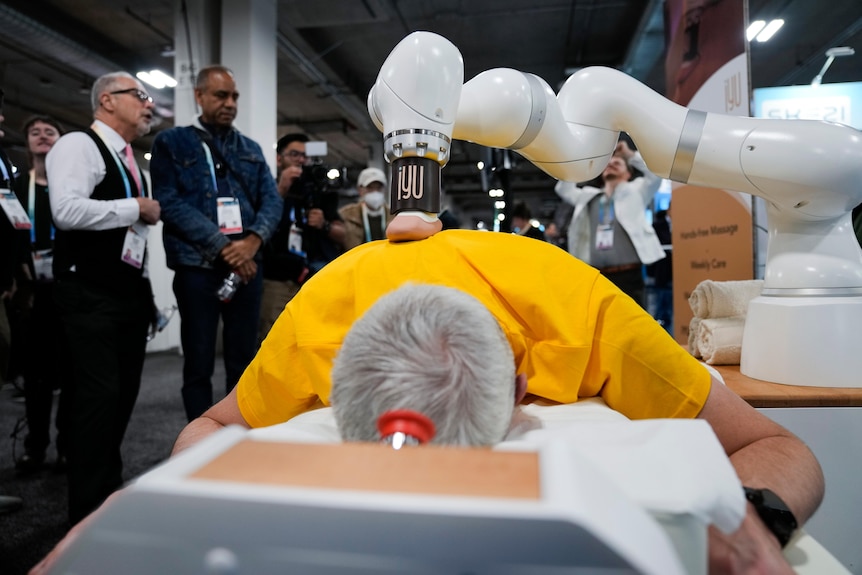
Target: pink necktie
{"type": "Point", "coordinates": [133, 167]}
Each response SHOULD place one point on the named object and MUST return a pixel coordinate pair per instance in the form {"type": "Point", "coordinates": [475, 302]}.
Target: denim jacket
{"type": "Point", "coordinates": [183, 184]}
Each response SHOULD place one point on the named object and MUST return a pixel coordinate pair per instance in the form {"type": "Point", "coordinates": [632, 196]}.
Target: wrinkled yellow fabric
{"type": "Point", "coordinates": [574, 334]}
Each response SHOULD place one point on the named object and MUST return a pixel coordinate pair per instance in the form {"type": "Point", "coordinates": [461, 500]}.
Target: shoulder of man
{"type": "Point", "coordinates": [248, 143]}
{"type": "Point", "coordinates": [350, 211]}
{"type": "Point", "coordinates": [177, 132]}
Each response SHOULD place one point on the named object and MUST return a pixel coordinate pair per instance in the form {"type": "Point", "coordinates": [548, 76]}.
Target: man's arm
{"type": "Point", "coordinates": [74, 167]}
{"type": "Point", "coordinates": [225, 412]}
{"type": "Point", "coordinates": [764, 454]}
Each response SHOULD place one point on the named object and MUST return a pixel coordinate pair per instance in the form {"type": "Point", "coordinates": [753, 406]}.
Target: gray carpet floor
{"type": "Point", "coordinates": [27, 534]}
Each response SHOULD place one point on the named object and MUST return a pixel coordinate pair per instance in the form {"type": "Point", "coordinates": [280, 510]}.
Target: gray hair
{"type": "Point", "coordinates": [104, 84]}
{"type": "Point", "coordinates": [203, 77]}
{"type": "Point", "coordinates": [432, 349]}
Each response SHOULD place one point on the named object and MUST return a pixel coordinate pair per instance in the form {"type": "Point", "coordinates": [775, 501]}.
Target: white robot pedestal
{"type": "Point", "coordinates": [806, 341]}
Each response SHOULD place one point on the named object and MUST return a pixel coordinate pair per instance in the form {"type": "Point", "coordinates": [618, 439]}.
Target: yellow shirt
{"type": "Point", "coordinates": [574, 334]}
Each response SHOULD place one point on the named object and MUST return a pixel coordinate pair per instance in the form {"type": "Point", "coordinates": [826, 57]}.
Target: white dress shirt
{"type": "Point", "coordinates": [74, 168]}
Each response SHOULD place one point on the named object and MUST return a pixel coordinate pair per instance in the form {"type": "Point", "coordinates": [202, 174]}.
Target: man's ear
{"type": "Point", "coordinates": [520, 387]}
{"type": "Point", "coordinates": [105, 101]}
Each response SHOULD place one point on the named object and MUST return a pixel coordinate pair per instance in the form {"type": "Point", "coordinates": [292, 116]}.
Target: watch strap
{"type": "Point", "coordinates": [773, 512]}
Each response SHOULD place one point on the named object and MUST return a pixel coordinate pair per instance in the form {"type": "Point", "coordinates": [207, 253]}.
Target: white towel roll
{"type": "Point", "coordinates": [712, 299]}
{"type": "Point", "coordinates": [693, 335]}
{"type": "Point", "coordinates": [720, 340]}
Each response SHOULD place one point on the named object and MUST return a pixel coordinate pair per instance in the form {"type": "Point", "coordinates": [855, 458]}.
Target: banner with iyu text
{"type": "Point", "coordinates": [707, 70]}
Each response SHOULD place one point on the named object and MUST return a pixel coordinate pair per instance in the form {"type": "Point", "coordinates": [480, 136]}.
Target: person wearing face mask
{"type": "Point", "coordinates": [366, 220]}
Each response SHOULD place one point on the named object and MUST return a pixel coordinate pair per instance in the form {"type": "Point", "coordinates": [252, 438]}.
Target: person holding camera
{"type": "Point", "coordinates": [219, 206]}
{"type": "Point", "coordinates": [309, 235]}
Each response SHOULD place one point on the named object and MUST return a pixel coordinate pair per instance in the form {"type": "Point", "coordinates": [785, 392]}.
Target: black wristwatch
{"type": "Point", "coordinates": [774, 513]}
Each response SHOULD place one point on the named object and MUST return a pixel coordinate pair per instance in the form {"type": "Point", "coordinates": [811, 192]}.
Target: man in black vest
{"type": "Point", "coordinates": [102, 209]}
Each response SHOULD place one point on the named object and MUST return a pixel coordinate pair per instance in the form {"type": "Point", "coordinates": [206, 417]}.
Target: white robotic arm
{"type": "Point", "coordinates": [808, 171]}
{"type": "Point", "coordinates": [414, 102]}
{"type": "Point", "coordinates": [810, 174]}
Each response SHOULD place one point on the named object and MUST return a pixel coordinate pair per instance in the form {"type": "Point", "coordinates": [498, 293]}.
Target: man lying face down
{"type": "Point", "coordinates": [513, 315]}
{"type": "Point", "coordinates": [431, 349]}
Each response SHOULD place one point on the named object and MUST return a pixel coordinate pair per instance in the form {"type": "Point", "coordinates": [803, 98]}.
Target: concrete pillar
{"type": "Point", "coordinates": [248, 47]}
{"type": "Point", "coordinates": [197, 33]}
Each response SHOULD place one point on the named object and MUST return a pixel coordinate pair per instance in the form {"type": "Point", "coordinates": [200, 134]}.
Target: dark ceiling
{"type": "Point", "coordinates": [329, 53]}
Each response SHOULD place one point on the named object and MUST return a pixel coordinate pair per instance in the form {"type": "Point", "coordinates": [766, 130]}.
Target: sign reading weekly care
{"type": "Point", "coordinates": [707, 70]}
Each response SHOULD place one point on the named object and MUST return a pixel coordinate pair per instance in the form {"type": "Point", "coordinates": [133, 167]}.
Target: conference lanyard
{"type": "Point", "coordinates": [604, 200]}
{"type": "Point", "coordinates": [31, 207]}
{"type": "Point", "coordinates": [208, 153]}
{"type": "Point", "coordinates": [117, 160]}
{"type": "Point", "coordinates": [367, 225]}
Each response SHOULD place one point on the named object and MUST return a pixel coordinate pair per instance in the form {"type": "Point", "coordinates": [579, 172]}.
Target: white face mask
{"type": "Point", "coordinates": [374, 200]}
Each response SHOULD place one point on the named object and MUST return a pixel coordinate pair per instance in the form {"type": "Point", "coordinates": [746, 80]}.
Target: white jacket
{"type": "Point", "coordinates": [631, 200]}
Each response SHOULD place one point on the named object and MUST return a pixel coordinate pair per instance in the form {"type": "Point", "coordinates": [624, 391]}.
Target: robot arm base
{"type": "Point", "coordinates": [803, 341]}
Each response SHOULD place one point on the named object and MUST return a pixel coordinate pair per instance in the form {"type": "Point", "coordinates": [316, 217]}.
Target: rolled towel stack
{"type": "Point", "coordinates": [715, 331]}
{"type": "Point", "coordinates": [720, 340]}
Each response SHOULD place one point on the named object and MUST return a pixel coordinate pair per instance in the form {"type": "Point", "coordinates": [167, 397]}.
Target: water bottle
{"type": "Point", "coordinates": [163, 318]}
{"type": "Point", "coordinates": [228, 287]}
{"type": "Point", "coordinates": [404, 427]}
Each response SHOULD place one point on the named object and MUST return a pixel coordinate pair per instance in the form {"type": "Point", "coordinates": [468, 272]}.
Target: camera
{"type": "Point", "coordinates": [313, 189]}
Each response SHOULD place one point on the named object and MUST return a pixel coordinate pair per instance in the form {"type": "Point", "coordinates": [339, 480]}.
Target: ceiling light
{"type": "Point", "coordinates": [754, 29]}
{"type": "Point", "coordinates": [831, 54]}
{"type": "Point", "coordinates": [770, 30]}
{"type": "Point", "coordinates": [157, 79]}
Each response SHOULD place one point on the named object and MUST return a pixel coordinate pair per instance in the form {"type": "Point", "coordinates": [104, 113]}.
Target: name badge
{"type": "Point", "coordinates": [294, 240]}
{"type": "Point", "coordinates": [14, 210]}
{"type": "Point", "coordinates": [229, 216]}
{"type": "Point", "coordinates": [135, 244]}
{"type": "Point", "coordinates": [604, 237]}
{"type": "Point", "coordinates": [43, 262]}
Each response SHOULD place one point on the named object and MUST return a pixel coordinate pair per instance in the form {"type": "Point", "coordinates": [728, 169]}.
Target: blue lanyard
{"type": "Point", "coordinates": [610, 201]}
{"type": "Point", "coordinates": [31, 207]}
{"type": "Point", "coordinates": [209, 156]}
{"type": "Point", "coordinates": [5, 172]}
{"type": "Point", "coordinates": [117, 161]}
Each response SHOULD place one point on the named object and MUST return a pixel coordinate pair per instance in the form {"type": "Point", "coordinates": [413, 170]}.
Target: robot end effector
{"type": "Point", "coordinates": [414, 102]}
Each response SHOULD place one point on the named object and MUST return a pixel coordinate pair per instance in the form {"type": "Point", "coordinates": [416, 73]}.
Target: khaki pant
{"type": "Point", "coordinates": [276, 294]}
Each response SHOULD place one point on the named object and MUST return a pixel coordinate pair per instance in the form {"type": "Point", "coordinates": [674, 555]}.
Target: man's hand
{"type": "Point", "coordinates": [622, 150]}
{"type": "Point", "coordinates": [247, 270]}
{"type": "Point", "coordinates": [150, 210]}
{"type": "Point", "coordinates": [239, 252]}
{"type": "Point", "coordinates": [751, 549]}
{"type": "Point", "coordinates": [287, 178]}
{"type": "Point", "coordinates": [315, 218]}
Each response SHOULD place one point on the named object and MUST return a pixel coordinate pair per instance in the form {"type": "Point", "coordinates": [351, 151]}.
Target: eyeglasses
{"type": "Point", "coordinates": [139, 94]}
{"type": "Point", "coordinates": [296, 154]}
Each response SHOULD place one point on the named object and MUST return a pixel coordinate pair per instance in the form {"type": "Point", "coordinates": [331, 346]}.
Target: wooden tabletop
{"type": "Point", "coordinates": [766, 394]}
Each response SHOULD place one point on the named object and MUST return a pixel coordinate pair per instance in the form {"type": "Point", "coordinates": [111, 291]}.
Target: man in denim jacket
{"type": "Point", "coordinates": [219, 205]}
